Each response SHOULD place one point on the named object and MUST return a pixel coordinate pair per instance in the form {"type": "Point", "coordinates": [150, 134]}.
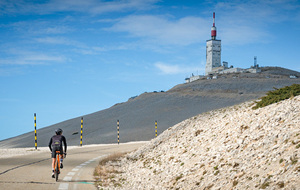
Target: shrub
{"type": "Point", "coordinates": [179, 177]}
{"type": "Point", "coordinates": [280, 161]}
{"type": "Point", "coordinates": [294, 160]}
{"type": "Point", "coordinates": [198, 132]}
{"type": "Point", "coordinates": [281, 184]}
{"type": "Point", "coordinates": [235, 183]}
{"type": "Point", "coordinates": [278, 95]}
{"type": "Point", "coordinates": [265, 185]}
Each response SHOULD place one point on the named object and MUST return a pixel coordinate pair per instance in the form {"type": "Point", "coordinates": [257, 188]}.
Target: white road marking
{"type": "Point", "coordinates": [68, 178]}
{"type": "Point", "coordinates": [63, 186]}
{"type": "Point", "coordinates": [71, 173]}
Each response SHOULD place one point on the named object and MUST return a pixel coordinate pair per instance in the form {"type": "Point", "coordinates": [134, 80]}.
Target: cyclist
{"type": "Point", "coordinates": [55, 144]}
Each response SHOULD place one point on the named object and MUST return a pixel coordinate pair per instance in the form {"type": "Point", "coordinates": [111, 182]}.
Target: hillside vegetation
{"type": "Point", "coordinates": [279, 95]}
{"type": "Point", "coordinates": [230, 148]}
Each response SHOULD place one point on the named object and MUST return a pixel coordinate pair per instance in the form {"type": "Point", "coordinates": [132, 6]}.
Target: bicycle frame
{"type": "Point", "coordinates": [57, 165]}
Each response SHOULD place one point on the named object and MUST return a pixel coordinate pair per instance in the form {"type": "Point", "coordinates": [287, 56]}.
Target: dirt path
{"type": "Point", "coordinates": [34, 171]}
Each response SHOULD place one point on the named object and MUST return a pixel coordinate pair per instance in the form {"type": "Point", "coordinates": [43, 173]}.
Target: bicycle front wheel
{"type": "Point", "coordinates": [56, 170]}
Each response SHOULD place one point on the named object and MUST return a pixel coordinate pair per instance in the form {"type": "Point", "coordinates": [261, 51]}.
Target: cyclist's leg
{"type": "Point", "coordinates": [53, 161]}
{"type": "Point", "coordinates": [53, 158]}
{"type": "Point", "coordinates": [53, 166]}
{"type": "Point", "coordinates": [61, 159]}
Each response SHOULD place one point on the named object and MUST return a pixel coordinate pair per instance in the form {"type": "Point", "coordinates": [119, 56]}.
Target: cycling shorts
{"type": "Point", "coordinates": [54, 149]}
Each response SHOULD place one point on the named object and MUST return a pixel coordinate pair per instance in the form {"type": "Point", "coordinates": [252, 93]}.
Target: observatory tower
{"type": "Point", "coordinates": [213, 50]}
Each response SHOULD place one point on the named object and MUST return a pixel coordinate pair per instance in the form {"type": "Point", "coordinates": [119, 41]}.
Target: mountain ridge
{"type": "Point", "coordinates": [137, 115]}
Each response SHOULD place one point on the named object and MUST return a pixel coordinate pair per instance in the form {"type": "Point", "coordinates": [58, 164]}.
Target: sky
{"type": "Point", "coordinates": [64, 59]}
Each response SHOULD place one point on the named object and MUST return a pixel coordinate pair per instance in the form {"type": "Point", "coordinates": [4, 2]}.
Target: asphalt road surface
{"type": "Point", "coordinates": [34, 171]}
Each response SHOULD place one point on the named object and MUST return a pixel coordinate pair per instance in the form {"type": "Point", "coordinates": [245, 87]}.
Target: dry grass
{"type": "Point", "coordinates": [112, 158]}
{"type": "Point", "coordinates": [105, 172]}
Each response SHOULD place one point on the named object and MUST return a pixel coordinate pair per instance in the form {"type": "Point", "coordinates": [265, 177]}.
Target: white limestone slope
{"type": "Point", "coordinates": [231, 148]}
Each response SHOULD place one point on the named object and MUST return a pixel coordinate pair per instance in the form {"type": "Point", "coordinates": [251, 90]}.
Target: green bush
{"type": "Point", "coordinates": [278, 95]}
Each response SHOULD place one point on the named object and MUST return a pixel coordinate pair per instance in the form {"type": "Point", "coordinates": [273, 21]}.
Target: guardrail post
{"type": "Point", "coordinates": [155, 128]}
{"type": "Point", "coordinates": [81, 128]}
{"type": "Point", "coordinates": [35, 136]}
{"type": "Point", "coordinates": [118, 128]}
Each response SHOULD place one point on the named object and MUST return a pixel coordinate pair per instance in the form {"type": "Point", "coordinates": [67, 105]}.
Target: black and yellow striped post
{"type": "Point", "coordinates": [118, 128]}
{"type": "Point", "coordinates": [81, 131]}
{"type": "Point", "coordinates": [155, 128]}
{"type": "Point", "coordinates": [35, 137]}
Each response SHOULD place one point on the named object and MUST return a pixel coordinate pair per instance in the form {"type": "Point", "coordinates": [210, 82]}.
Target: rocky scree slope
{"type": "Point", "coordinates": [230, 148]}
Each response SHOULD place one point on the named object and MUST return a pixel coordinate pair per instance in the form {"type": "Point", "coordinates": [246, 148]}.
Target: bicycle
{"type": "Point", "coordinates": [57, 165]}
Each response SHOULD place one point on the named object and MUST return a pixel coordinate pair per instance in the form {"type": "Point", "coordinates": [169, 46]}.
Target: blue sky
{"type": "Point", "coordinates": [63, 59]}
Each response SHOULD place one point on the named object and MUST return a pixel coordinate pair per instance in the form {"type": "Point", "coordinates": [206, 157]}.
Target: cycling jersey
{"type": "Point", "coordinates": [56, 144]}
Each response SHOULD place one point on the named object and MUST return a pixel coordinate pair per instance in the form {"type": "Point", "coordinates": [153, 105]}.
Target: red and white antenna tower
{"type": "Point", "coordinates": [213, 29]}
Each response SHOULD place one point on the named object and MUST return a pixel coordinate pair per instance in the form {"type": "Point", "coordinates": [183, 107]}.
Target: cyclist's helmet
{"type": "Point", "coordinates": [58, 131]}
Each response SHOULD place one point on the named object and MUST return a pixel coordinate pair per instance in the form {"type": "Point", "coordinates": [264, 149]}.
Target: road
{"type": "Point", "coordinates": [34, 171]}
